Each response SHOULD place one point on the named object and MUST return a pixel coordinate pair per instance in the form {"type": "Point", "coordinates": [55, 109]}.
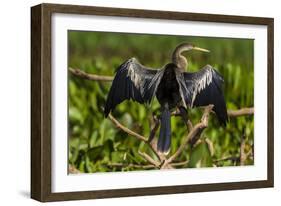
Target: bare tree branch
{"type": "Point", "coordinates": [242, 150]}
{"type": "Point", "coordinates": [241, 112]}
{"type": "Point", "coordinates": [154, 129]}
{"type": "Point", "coordinates": [121, 165]}
{"type": "Point", "coordinates": [210, 146]}
{"type": "Point", "coordinates": [73, 170]}
{"type": "Point", "coordinates": [232, 158]}
{"type": "Point", "coordinates": [148, 166]}
{"type": "Point", "coordinates": [177, 164]}
{"type": "Point", "coordinates": [127, 130]}
{"type": "Point", "coordinates": [153, 142]}
{"type": "Point", "coordinates": [149, 159]}
{"type": "Point", "coordinates": [190, 125]}
{"type": "Point", "coordinates": [84, 75]}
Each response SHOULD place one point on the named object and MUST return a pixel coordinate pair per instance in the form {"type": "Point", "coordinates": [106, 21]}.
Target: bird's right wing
{"type": "Point", "coordinates": [203, 88]}
{"type": "Point", "coordinates": [132, 81]}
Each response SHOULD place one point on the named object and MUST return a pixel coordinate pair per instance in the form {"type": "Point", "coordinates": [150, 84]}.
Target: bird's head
{"type": "Point", "coordinates": [177, 57]}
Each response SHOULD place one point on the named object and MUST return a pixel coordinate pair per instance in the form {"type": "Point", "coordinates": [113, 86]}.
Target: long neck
{"type": "Point", "coordinates": [177, 57]}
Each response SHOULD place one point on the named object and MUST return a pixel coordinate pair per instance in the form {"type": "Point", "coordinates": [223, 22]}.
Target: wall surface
{"type": "Point", "coordinates": [15, 102]}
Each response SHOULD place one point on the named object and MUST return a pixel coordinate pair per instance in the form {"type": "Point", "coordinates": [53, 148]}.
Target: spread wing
{"type": "Point", "coordinates": [132, 81]}
{"type": "Point", "coordinates": [203, 88]}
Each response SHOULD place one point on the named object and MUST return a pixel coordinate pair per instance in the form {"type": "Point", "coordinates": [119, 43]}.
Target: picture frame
{"type": "Point", "coordinates": [42, 89]}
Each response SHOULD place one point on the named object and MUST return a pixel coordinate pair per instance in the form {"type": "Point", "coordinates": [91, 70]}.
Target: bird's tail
{"type": "Point", "coordinates": [164, 141]}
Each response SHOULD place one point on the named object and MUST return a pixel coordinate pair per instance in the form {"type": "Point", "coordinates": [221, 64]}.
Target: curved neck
{"type": "Point", "coordinates": [177, 57]}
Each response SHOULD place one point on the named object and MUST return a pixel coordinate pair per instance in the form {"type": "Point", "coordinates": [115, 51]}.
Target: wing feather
{"type": "Point", "coordinates": [132, 81]}
{"type": "Point", "coordinates": [203, 88]}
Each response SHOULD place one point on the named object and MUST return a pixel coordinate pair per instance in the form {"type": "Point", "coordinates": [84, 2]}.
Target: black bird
{"type": "Point", "coordinates": [173, 88]}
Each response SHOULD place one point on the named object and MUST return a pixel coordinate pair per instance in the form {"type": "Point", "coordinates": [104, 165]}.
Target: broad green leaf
{"type": "Point", "coordinates": [200, 156]}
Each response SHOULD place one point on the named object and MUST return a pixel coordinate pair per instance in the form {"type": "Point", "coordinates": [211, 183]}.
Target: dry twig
{"type": "Point", "coordinates": [241, 112]}
{"type": "Point", "coordinates": [148, 166]}
{"type": "Point", "coordinates": [242, 150]}
{"type": "Point", "coordinates": [73, 170]}
{"type": "Point", "coordinates": [84, 75]}
{"type": "Point", "coordinates": [127, 130]}
{"type": "Point", "coordinates": [149, 158]}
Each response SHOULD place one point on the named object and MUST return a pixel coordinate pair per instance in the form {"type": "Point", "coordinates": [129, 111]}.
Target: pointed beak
{"type": "Point", "coordinates": [200, 49]}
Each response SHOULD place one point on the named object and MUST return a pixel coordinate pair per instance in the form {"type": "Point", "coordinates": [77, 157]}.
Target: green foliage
{"type": "Point", "coordinates": [201, 156]}
{"type": "Point", "coordinates": [94, 142]}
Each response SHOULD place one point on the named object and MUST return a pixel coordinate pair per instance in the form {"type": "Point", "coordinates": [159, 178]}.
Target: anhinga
{"type": "Point", "coordinates": [173, 88]}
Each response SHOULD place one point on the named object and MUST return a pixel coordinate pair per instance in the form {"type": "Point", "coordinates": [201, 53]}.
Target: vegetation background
{"type": "Point", "coordinates": [95, 144]}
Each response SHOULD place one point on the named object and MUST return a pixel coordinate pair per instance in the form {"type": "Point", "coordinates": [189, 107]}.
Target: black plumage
{"type": "Point", "coordinates": [132, 81]}
{"type": "Point", "coordinates": [172, 86]}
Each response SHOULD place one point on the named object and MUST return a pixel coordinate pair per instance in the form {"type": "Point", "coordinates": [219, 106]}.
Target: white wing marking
{"type": "Point", "coordinates": [202, 83]}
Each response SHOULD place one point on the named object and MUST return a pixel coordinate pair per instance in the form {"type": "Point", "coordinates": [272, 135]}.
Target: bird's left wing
{"type": "Point", "coordinates": [203, 88]}
{"type": "Point", "coordinates": [132, 81]}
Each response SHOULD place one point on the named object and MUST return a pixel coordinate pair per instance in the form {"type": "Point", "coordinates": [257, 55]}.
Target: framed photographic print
{"type": "Point", "coordinates": [132, 102]}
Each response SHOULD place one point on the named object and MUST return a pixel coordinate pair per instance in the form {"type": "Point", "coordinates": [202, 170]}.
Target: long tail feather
{"type": "Point", "coordinates": [164, 141]}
